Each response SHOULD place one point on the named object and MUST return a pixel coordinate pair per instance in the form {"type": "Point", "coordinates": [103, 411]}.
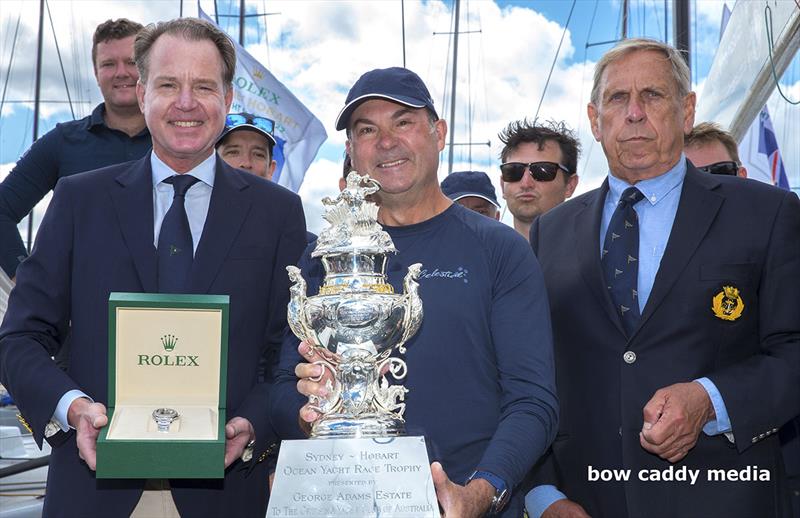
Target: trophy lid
{"type": "Point", "coordinates": [353, 221]}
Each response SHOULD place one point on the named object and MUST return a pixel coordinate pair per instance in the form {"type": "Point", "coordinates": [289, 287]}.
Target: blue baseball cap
{"type": "Point", "coordinates": [469, 183]}
{"type": "Point", "coordinates": [247, 121]}
{"type": "Point", "coordinates": [396, 84]}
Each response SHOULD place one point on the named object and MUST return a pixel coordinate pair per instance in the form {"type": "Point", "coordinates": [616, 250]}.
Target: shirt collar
{"type": "Point", "coordinates": [654, 189]}
{"type": "Point", "coordinates": [97, 116]}
{"type": "Point", "coordinates": [204, 171]}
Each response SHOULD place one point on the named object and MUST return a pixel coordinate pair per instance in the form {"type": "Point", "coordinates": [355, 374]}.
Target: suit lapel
{"type": "Point", "coordinates": [226, 212]}
{"type": "Point", "coordinates": [587, 231]}
{"type": "Point", "coordinates": [697, 209]}
{"type": "Point", "coordinates": [133, 202]}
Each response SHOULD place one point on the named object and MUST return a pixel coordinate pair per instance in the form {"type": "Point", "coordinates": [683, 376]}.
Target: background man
{"type": "Point", "coordinates": [473, 190]}
{"type": "Point", "coordinates": [677, 340]}
{"type": "Point", "coordinates": [246, 143]}
{"type": "Point", "coordinates": [711, 149]}
{"type": "Point", "coordinates": [531, 190]}
{"type": "Point", "coordinates": [482, 356]}
{"type": "Point", "coordinates": [115, 230]}
{"type": "Point", "coordinates": [115, 132]}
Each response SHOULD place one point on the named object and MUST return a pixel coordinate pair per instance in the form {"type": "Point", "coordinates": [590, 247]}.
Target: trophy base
{"type": "Point", "coordinates": [354, 478]}
{"type": "Point", "coordinates": [340, 426]}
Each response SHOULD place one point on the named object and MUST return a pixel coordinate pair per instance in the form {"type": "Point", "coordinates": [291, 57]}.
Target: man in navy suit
{"type": "Point", "coordinates": [105, 231]}
{"type": "Point", "coordinates": [676, 326]}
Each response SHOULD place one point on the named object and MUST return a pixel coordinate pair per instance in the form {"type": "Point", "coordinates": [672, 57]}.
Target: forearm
{"type": "Point", "coordinates": [524, 351]}
{"type": "Point", "coordinates": [12, 249]}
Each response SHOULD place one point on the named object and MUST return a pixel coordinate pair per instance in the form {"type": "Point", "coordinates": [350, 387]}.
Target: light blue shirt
{"type": "Point", "coordinates": [198, 198]}
{"type": "Point", "coordinates": [656, 214]}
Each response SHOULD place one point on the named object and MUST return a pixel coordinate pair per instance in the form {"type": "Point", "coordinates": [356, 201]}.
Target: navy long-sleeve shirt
{"type": "Point", "coordinates": [480, 380]}
{"type": "Point", "coordinates": [69, 148]}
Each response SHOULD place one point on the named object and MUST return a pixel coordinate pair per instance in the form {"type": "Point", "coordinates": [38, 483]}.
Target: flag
{"type": "Point", "coordinates": [759, 152]}
{"type": "Point", "coordinates": [299, 134]}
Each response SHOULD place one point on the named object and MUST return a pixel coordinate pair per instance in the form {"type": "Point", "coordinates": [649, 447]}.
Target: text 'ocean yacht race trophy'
{"type": "Point", "coordinates": [364, 466]}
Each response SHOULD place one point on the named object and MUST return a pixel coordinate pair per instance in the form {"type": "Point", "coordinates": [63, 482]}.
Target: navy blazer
{"type": "Point", "coordinates": [727, 232]}
{"type": "Point", "coordinates": [97, 237]}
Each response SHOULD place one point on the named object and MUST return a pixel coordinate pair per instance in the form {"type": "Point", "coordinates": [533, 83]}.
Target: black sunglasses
{"type": "Point", "coordinates": [728, 168]}
{"type": "Point", "coordinates": [540, 171]}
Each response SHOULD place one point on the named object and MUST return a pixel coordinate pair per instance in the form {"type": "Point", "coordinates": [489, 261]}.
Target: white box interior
{"type": "Point", "coordinates": [144, 382]}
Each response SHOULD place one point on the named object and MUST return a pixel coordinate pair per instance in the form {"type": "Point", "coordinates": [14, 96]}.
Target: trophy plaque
{"type": "Point", "coordinates": [358, 461]}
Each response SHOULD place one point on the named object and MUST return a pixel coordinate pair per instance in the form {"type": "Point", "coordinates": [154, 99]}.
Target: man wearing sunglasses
{"type": "Point", "coordinates": [673, 296]}
{"type": "Point", "coordinates": [246, 143]}
{"type": "Point", "coordinates": [538, 169]}
{"type": "Point", "coordinates": [713, 150]}
{"type": "Point", "coordinates": [480, 386]}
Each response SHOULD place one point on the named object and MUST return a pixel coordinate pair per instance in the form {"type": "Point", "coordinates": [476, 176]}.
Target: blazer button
{"type": "Point", "coordinates": [629, 357]}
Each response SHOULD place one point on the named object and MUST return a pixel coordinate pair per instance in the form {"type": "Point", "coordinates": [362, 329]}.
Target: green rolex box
{"type": "Point", "coordinates": [165, 352]}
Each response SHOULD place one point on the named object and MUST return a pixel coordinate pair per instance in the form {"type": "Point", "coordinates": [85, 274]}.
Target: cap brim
{"type": "Point", "coordinates": [458, 196]}
{"type": "Point", "coordinates": [250, 127]}
{"type": "Point", "coordinates": [349, 108]}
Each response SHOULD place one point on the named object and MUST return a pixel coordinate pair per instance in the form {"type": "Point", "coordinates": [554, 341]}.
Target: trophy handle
{"type": "Point", "coordinates": [296, 314]}
{"type": "Point", "coordinates": [324, 406]}
{"type": "Point", "coordinates": [391, 397]}
{"type": "Point", "coordinates": [413, 305]}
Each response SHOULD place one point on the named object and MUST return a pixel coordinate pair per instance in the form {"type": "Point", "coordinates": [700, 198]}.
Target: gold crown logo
{"type": "Point", "coordinates": [258, 74]}
{"type": "Point", "coordinates": [731, 292]}
{"type": "Point", "coordinates": [169, 342]}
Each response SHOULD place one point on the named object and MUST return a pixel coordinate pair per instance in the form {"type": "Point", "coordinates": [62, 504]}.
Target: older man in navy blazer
{"type": "Point", "coordinates": [116, 229]}
{"type": "Point", "coordinates": [675, 317]}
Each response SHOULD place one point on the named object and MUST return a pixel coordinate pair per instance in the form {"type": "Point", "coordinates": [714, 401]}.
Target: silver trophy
{"type": "Point", "coordinates": [356, 319]}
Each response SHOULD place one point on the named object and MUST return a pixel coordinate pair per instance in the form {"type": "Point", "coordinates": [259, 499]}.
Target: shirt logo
{"type": "Point", "coordinates": [459, 273]}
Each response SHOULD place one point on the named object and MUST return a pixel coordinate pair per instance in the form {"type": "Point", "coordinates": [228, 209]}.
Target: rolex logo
{"type": "Point", "coordinates": [169, 342]}
{"type": "Point", "coordinates": [258, 74]}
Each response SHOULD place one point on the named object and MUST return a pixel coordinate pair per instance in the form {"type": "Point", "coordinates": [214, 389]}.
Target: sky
{"type": "Point", "coordinates": [319, 48]}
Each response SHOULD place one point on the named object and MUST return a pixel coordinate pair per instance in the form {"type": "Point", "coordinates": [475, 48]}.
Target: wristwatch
{"type": "Point", "coordinates": [501, 491]}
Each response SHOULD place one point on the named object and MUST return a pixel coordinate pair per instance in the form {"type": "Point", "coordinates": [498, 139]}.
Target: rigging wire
{"type": "Point", "coordinates": [10, 61]}
{"type": "Point", "coordinates": [583, 71]}
{"type": "Point", "coordinates": [445, 90]}
{"type": "Point", "coordinates": [482, 63]}
{"type": "Point", "coordinates": [770, 45]}
{"type": "Point", "coordinates": [658, 18]}
{"type": "Point", "coordinates": [266, 34]}
{"type": "Point", "coordinates": [555, 58]}
{"type": "Point", "coordinates": [60, 61]}
{"type": "Point", "coordinates": [695, 68]}
{"type": "Point", "coordinates": [468, 118]}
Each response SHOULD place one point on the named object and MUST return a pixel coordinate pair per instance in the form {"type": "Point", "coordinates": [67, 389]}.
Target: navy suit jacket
{"type": "Point", "coordinates": [97, 237]}
{"type": "Point", "coordinates": [727, 232]}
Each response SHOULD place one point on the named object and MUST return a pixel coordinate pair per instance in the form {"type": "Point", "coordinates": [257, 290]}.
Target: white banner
{"type": "Point", "coordinates": [298, 132]}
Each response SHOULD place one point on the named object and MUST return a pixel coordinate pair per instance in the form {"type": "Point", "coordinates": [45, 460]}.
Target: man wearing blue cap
{"type": "Point", "coordinates": [473, 190]}
{"type": "Point", "coordinates": [246, 143]}
{"type": "Point", "coordinates": [480, 370]}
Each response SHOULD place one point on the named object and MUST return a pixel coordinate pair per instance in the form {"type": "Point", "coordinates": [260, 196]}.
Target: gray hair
{"type": "Point", "coordinates": [680, 71]}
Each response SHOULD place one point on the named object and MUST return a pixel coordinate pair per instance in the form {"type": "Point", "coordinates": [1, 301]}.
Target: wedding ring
{"type": "Point", "coordinates": [164, 418]}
